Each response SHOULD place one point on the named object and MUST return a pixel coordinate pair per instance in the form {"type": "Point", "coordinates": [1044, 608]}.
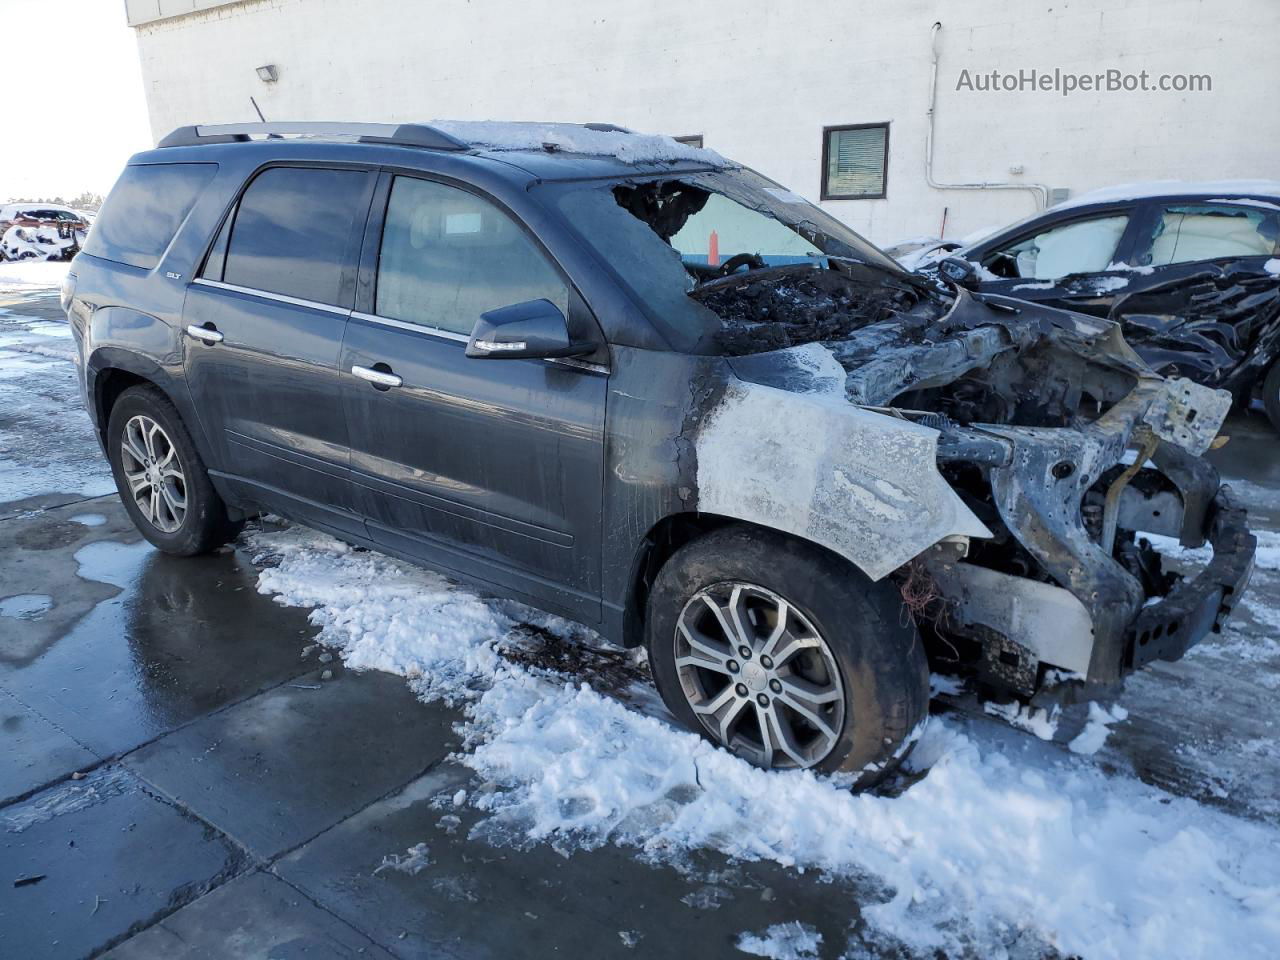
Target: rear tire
{"type": "Point", "coordinates": [161, 479]}
{"type": "Point", "coordinates": [1271, 395]}
{"type": "Point", "coordinates": [848, 678]}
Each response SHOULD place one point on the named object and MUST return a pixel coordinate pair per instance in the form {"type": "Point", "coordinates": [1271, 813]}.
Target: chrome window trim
{"type": "Point", "coordinates": [279, 297]}
{"type": "Point", "coordinates": [412, 327]}
{"type": "Point", "coordinates": [459, 338]}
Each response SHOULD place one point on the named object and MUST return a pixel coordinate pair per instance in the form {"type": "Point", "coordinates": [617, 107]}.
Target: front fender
{"type": "Point", "coordinates": [859, 483]}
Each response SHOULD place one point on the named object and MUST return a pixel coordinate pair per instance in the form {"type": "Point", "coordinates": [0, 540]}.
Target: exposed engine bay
{"type": "Point", "coordinates": [1055, 446]}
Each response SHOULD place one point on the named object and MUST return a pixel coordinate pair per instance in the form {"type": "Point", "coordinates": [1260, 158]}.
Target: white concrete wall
{"type": "Point", "coordinates": [760, 79]}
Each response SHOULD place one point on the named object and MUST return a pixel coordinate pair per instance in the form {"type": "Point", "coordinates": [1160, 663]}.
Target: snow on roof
{"type": "Point", "coordinates": [575, 138]}
{"type": "Point", "coordinates": [1161, 188]}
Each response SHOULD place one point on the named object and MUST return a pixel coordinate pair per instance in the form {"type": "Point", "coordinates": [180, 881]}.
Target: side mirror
{"type": "Point", "coordinates": [959, 271]}
{"type": "Point", "coordinates": [534, 328]}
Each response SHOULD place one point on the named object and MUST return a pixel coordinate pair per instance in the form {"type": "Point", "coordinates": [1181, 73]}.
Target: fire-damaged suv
{"type": "Point", "coordinates": [514, 352]}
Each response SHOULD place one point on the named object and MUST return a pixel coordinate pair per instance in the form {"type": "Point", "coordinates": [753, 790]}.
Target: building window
{"type": "Point", "coordinates": [694, 141]}
{"type": "Point", "coordinates": [855, 161]}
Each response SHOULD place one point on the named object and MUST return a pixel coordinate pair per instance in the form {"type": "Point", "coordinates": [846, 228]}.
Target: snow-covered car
{"type": "Point", "coordinates": [40, 231]}
{"type": "Point", "coordinates": [1190, 270]}
{"type": "Point", "coordinates": [798, 475]}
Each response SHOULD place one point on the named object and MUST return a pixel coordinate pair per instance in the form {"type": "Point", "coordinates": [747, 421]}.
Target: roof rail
{"type": "Point", "coordinates": [397, 134]}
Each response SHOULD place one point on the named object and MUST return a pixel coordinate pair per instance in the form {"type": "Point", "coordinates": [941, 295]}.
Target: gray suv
{"type": "Point", "coordinates": [516, 353]}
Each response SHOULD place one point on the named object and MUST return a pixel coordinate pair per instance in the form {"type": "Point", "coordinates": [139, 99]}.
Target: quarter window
{"type": "Point", "coordinates": [293, 232]}
{"type": "Point", "coordinates": [855, 162]}
{"type": "Point", "coordinates": [144, 211]}
{"type": "Point", "coordinates": [1202, 231]}
{"type": "Point", "coordinates": [1082, 246]}
{"type": "Point", "coordinates": [448, 256]}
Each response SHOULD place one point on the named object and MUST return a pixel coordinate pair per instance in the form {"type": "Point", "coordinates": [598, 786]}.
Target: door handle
{"type": "Point", "coordinates": [379, 378]}
{"type": "Point", "coordinates": [207, 334]}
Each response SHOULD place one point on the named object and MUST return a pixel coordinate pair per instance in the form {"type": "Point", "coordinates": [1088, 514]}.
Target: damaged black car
{"type": "Point", "coordinates": [637, 385]}
{"type": "Point", "coordinates": [1190, 271]}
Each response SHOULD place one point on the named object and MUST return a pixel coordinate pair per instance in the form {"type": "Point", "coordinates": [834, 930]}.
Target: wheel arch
{"type": "Point", "coordinates": [112, 370]}
{"type": "Point", "coordinates": [662, 541]}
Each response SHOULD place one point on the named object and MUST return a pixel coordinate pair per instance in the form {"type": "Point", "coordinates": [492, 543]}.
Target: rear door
{"type": "Point", "coordinates": [1178, 237]}
{"type": "Point", "coordinates": [264, 325]}
{"type": "Point", "coordinates": [1075, 263]}
{"type": "Point", "coordinates": [490, 468]}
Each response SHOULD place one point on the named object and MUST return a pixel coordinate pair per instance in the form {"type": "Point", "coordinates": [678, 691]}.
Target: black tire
{"type": "Point", "coordinates": [204, 525]}
{"type": "Point", "coordinates": [1271, 395]}
{"type": "Point", "coordinates": [884, 674]}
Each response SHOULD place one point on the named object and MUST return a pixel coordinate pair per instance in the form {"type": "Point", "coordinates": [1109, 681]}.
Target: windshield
{"type": "Point", "coordinates": [666, 237]}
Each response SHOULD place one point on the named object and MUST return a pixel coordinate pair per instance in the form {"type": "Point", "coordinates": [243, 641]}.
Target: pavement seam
{"type": "Point", "coordinates": [324, 909]}
{"type": "Point", "coordinates": [26, 795]}
{"type": "Point", "coordinates": [244, 862]}
{"type": "Point", "coordinates": [275, 858]}
{"type": "Point", "coordinates": [36, 511]}
{"type": "Point", "coordinates": [123, 757]}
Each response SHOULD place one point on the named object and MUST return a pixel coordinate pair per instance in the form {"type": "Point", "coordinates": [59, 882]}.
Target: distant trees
{"type": "Point", "coordinates": [88, 200]}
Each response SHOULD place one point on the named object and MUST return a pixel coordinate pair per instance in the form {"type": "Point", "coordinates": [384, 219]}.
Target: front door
{"type": "Point", "coordinates": [490, 468]}
{"type": "Point", "coordinates": [264, 325]}
{"type": "Point", "coordinates": [1073, 265]}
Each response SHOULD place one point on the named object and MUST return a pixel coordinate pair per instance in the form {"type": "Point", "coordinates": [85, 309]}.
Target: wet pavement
{"type": "Point", "coordinates": [177, 781]}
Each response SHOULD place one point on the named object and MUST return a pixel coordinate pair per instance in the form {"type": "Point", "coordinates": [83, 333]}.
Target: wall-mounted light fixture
{"type": "Point", "coordinates": [268, 73]}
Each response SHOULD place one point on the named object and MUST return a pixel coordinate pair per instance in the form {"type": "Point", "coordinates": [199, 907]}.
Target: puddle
{"type": "Point", "coordinates": [89, 519]}
{"type": "Point", "coordinates": [109, 562]}
{"type": "Point", "coordinates": [26, 606]}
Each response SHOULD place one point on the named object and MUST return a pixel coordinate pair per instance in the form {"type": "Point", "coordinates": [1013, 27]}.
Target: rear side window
{"type": "Point", "coordinates": [293, 232]}
{"type": "Point", "coordinates": [1202, 231]}
{"type": "Point", "coordinates": [448, 256]}
{"type": "Point", "coordinates": [145, 209]}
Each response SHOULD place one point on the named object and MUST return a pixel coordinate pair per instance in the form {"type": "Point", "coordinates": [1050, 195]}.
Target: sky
{"type": "Point", "coordinates": [73, 112]}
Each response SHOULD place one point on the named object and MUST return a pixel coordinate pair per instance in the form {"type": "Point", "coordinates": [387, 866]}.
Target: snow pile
{"type": "Point", "coordinates": [573, 138]}
{"type": "Point", "coordinates": [32, 275]}
{"type": "Point", "coordinates": [982, 850]}
{"type": "Point", "coordinates": [782, 941]}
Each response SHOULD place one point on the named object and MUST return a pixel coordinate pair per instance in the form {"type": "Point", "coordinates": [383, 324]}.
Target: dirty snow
{"type": "Point", "coordinates": [782, 941]}
{"type": "Point", "coordinates": [1090, 740]}
{"type": "Point", "coordinates": [572, 138]}
{"type": "Point", "coordinates": [1051, 846]}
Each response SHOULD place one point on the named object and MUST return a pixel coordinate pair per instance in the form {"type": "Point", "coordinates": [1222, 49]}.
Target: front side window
{"type": "Point", "coordinates": [293, 230]}
{"type": "Point", "coordinates": [448, 256]}
{"type": "Point", "coordinates": [1082, 246]}
{"type": "Point", "coordinates": [1189, 232]}
{"type": "Point", "coordinates": [855, 162]}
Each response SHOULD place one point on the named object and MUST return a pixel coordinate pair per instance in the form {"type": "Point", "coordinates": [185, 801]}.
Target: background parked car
{"type": "Point", "coordinates": [41, 231]}
{"type": "Point", "coordinates": [1190, 270]}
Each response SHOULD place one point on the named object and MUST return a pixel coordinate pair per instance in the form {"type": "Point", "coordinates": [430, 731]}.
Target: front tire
{"type": "Point", "coordinates": [786, 655]}
{"type": "Point", "coordinates": [161, 478]}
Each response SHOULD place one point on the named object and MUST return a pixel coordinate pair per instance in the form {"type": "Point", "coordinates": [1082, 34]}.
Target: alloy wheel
{"type": "Point", "coordinates": [759, 676]}
{"type": "Point", "coordinates": [154, 474]}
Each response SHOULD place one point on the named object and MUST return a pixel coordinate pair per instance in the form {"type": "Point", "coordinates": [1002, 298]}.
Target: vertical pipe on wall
{"type": "Point", "coordinates": [1039, 189]}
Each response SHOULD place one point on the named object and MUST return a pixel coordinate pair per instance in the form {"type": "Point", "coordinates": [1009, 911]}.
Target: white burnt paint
{"type": "Point", "coordinates": [812, 464]}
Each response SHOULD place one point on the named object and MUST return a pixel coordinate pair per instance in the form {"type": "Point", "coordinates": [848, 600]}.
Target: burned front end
{"type": "Point", "coordinates": [1001, 460]}
{"type": "Point", "coordinates": [1054, 435]}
